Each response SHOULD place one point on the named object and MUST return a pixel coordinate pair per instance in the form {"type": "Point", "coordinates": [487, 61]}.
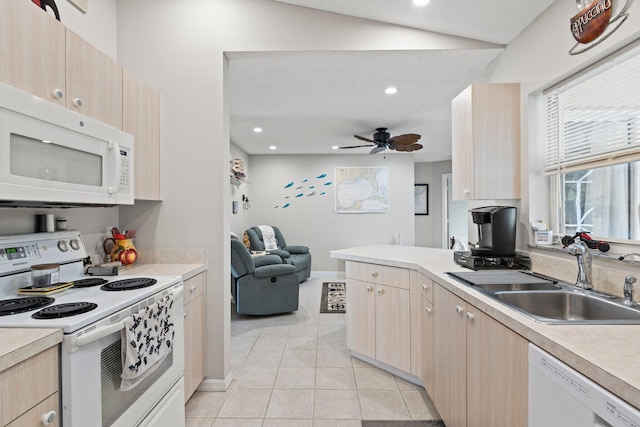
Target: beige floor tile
{"type": "Point", "coordinates": [242, 341]}
{"type": "Point", "coordinates": [383, 405]}
{"type": "Point", "coordinates": [287, 423]}
{"type": "Point", "coordinates": [332, 330]}
{"type": "Point", "coordinates": [330, 318]}
{"type": "Point", "coordinates": [329, 343]}
{"type": "Point", "coordinates": [419, 405]}
{"type": "Point", "coordinates": [199, 422]}
{"type": "Point", "coordinates": [204, 404]}
{"type": "Point", "coordinates": [302, 343]}
{"type": "Point", "coordinates": [237, 422]}
{"type": "Point", "coordinates": [245, 404]}
{"type": "Point", "coordinates": [291, 404]}
{"type": "Point", "coordinates": [263, 358]}
{"type": "Point", "coordinates": [374, 379]}
{"type": "Point", "coordinates": [296, 378]}
{"type": "Point", "coordinates": [277, 331]}
{"type": "Point", "coordinates": [299, 359]}
{"type": "Point", "coordinates": [255, 377]}
{"type": "Point", "coordinates": [336, 423]}
{"type": "Point", "coordinates": [238, 356]}
{"type": "Point", "coordinates": [270, 342]}
{"type": "Point", "coordinates": [337, 404]}
{"type": "Point", "coordinates": [304, 330]}
{"type": "Point", "coordinates": [335, 379]}
{"type": "Point", "coordinates": [334, 359]}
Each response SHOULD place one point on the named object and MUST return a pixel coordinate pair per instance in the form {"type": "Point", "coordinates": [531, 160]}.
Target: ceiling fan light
{"type": "Point", "coordinates": [421, 3]}
{"type": "Point", "coordinates": [257, 130]}
{"type": "Point", "coordinates": [272, 147]}
{"type": "Point", "coordinates": [391, 90]}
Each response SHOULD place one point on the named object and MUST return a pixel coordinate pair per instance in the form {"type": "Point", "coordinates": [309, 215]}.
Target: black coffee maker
{"type": "Point", "coordinates": [496, 231]}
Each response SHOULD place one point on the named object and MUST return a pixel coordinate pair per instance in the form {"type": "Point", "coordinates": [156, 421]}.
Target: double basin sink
{"type": "Point", "coordinates": [548, 301]}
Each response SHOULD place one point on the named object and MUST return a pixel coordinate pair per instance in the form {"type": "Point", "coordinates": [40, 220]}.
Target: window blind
{"type": "Point", "coordinates": [594, 122]}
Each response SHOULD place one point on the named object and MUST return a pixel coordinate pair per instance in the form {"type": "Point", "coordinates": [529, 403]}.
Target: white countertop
{"type": "Point", "coordinates": [608, 354]}
{"type": "Point", "coordinates": [20, 344]}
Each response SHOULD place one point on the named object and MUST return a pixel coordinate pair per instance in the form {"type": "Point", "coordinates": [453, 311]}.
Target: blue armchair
{"type": "Point", "coordinates": [262, 285]}
{"type": "Point", "coordinates": [296, 255]}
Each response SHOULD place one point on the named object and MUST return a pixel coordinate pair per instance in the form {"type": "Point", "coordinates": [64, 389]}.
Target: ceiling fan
{"type": "Point", "coordinates": [382, 140]}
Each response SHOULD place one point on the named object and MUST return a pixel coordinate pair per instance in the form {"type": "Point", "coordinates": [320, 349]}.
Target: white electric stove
{"type": "Point", "coordinates": [91, 314]}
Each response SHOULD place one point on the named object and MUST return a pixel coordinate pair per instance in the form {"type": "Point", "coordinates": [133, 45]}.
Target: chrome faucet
{"type": "Point", "coordinates": [581, 252]}
{"type": "Point", "coordinates": [628, 291]}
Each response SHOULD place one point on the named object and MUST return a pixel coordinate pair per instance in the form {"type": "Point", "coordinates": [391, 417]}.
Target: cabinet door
{"type": "Point", "coordinates": [141, 118]}
{"type": "Point", "coordinates": [462, 163]}
{"type": "Point", "coordinates": [33, 50]}
{"type": "Point", "coordinates": [497, 373]}
{"type": "Point", "coordinates": [194, 333]}
{"type": "Point", "coordinates": [360, 317]}
{"type": "Point", "coordinates": [450, 389]}
{"type": "Point", "coordinates": [94, 82]}
{"type": "Point", "coordinates": [393, 328]}
{"type": "Point", "coordinates": [426, 344]}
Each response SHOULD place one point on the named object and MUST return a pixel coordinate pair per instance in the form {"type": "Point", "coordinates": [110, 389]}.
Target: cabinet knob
{"type": "Point", "coordinates": [57, 93]}
{"type": "Point", "coordinates": [49, 418]}
{"type": "Point", "coordinates": [429, 310]}
{"type": "Point", "coordinates": [368, 289]}
{"type": "Point", "coordinates": [469, 316]}
{"type": "Point", "coordinates": [424, 287]}
{"type": "Point", "coordinates": [193, 288]}
{"type": "Point", "coordinates": [379, 291]}
{"type": "Point", "coordinates": [465, 191]}
{"type": "Point", "coordinates": [77, 102]}
{"type": "Point", "coordinates": [374, 274]}
{"type": "Point", "coordinates": [458, 309]}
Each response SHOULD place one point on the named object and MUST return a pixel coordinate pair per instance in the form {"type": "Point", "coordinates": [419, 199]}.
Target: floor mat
{"type": "Point", "coordinates": [334, 297]}
{"type": "Point", "coordinates": [422, 423]}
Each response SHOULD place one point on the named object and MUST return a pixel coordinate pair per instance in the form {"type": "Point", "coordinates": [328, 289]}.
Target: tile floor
{"type": "Point", "coordinates": [295, 370]}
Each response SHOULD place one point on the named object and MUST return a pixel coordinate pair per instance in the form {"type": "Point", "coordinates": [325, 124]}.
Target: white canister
{"type": "Point", "coordinates": [545, 237]}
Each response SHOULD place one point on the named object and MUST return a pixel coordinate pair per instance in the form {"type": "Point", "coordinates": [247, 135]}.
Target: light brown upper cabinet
{"type": "Point", "coordinates": [94, 82]}
{"type": "Point", "coordinates": [486, 142]}
{"type": "Point", "coordinates": [33, 50]}
{"type": "Point", "coordinates": [141, 118]}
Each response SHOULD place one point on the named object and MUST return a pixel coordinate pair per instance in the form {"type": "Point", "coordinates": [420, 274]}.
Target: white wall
{"type": "Point", "coordinates": [429, 227]}
{"type": "Point", "coordinates": [312, 220]}
{"type": "Point", "coordinates": [178, 47]}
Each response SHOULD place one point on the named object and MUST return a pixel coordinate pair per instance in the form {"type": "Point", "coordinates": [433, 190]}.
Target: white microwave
{"type": "Point", "coordinates": [52, 156]}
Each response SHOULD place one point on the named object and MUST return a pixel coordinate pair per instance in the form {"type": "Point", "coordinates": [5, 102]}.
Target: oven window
{"type": "Point", "coordinates": [116, 402]}
{"type": "Point", "coordinates": [33, 158]}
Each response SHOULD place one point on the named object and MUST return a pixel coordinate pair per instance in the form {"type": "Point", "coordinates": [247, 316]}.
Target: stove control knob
{"type": "Point", "coordinates": [75, 244]}
{"type": "Point", "coordinates": [49, 418]}
{"type": "Point", "coordinates": [63, 246]}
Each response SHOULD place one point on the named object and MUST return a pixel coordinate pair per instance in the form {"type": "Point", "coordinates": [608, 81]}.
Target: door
{"type": "Point", "coordinates": [455, 214]}
{"type": "Point", "coordinates": [360, 317]}
{"type": "Point", "coordinates": [393, 338]}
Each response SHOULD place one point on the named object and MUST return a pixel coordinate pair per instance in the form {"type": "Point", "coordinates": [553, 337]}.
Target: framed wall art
{"type": "Point", "coordinates": [421, 199]}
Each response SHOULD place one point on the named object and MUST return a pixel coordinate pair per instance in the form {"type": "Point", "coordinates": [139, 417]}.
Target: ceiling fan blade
{"type": "Point", "coordinates": [404, 139]}
{"type": "Point", "coordinates": [356, 146]}
{"type": "Point", "coordinates": [378, 149]}
{"type": "Point", "coordinates": [363, 138]}
{"type": "Point", "coordinates": [406, 148]}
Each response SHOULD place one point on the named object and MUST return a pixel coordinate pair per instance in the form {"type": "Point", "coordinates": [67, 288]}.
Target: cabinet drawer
{"type": "Point", "coordinates": [33, 418]}
{"type": "Point", "coordinates": [28, 383]}
{"type": "Point", "coordinates": [378, 274]}
{"type": "Point", "coordinates": [425, 286]}
{"type": "Point", "coordinates": [194, 287]}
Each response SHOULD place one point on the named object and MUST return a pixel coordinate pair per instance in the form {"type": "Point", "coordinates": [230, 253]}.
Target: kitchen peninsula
{"type": "Point", "coordinates": [607, 354]}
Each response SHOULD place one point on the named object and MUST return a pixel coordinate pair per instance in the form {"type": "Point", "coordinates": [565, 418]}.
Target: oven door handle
{"type": "Point", "coordinates": [103, 331]}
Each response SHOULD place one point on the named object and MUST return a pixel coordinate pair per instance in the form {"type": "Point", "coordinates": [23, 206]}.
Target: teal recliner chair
{"type": "Point", "coordinates": [296, 255]}
{"type": "Point", "coordinates": [262, 285]}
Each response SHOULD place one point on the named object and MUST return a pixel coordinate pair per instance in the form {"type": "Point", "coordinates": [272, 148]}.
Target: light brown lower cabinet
{"type": "Point", "coordinates": [194, 333]}
{"type": "Point", "coordinates": [481, 370]}
{"type": "Point", "coordinates": [29, 390]}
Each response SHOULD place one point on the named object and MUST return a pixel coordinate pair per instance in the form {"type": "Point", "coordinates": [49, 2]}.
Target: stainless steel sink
{"type": "Point", "coordinates": [568, 306]}
{"type": "Point", "coordinates": [501, 287]}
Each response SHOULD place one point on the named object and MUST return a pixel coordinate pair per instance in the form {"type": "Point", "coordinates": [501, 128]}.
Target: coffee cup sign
{"type": "Point", "coordinates": [596, 21]}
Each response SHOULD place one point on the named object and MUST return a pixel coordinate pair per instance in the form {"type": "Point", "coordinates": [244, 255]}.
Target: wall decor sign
{"type": "Point", "coordinates": [596, 21]}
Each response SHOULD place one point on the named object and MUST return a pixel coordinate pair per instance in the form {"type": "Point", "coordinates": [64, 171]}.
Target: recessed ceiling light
{"type": "Point", "coordinates": [257, 130]}
{"type": "Point", "coordinates": [272, 147]}
{"type": "Point", "coordinates": [421, 2]}
{"type": "Point", "coordinates": [390, 90]}
{"type": "Point", "coordinates": [335, 147]}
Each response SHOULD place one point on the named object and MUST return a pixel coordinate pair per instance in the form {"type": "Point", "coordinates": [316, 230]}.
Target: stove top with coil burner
{"type": "Point", "coordinates": [87, 283]}
{"type": "Point", "coordinates": [58, 311]}
{"type": "Point", "coordinates": [477, 262]}
{"type": "Point", "coordinates": [129, 284]}
{"type": "Point", "coordinates": [22, 305]}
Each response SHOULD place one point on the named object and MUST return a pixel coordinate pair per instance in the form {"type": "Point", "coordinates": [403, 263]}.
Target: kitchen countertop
{"type": "Point", "coordinates": [187, 271]}
{"type": "Point", "coordinates": [607, 354]}
{"type": "Point", "coordinates": [20, 344]}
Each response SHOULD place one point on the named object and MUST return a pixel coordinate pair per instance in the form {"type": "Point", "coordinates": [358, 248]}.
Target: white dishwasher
{"type": "Point", "coordinates": [562, 397]}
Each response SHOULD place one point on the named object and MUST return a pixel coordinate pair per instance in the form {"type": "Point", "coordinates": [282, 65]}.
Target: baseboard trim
{"type": "Point", "coordinates": [395, 371]}
{"type": "Point", "coordinates": [216, 385]}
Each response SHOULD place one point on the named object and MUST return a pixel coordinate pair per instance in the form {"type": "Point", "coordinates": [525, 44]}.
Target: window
{"type": "Point", "coordinates": [593, 151]}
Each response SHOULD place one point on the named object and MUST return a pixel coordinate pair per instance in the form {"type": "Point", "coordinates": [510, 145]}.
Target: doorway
{"type": "Point", "coordinates": [454, 217]}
